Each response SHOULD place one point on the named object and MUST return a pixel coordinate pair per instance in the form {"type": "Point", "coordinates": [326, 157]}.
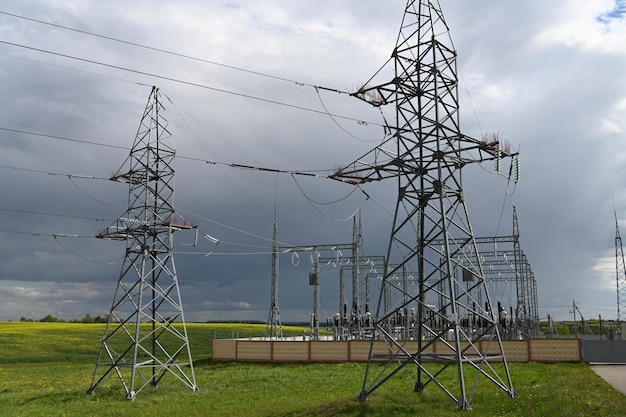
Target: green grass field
{"type": "Point", "coordinates": [45, 369]}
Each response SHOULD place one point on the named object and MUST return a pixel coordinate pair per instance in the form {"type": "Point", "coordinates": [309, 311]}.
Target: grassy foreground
{"type": "Point", "coordinates": [45, 369]}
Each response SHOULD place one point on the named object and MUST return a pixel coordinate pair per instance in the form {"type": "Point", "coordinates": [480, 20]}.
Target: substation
{"type": "Point", "coordinates": [508, 275]}
{"type": "Point", "coordinates": [426, 300]}
{"type": "Point", "coordinates": [441, 295]}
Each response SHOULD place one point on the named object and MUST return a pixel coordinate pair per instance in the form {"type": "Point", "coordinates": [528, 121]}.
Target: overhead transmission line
{"type": "Point", "coordinates": [177, 54]}
{"type": "Point", "coordinates": [308, 173]}
{"type": "Point", "coordinates": [292, 173]}
{"type": "Point", "coordinates": [25, 132]}
{"type": "Point", "coordinates": [100, 219]}
{"type": "Point", "coordinates": [189, 83]}
{"type": "Point", "coordinates": [233, 165]}
{"type": "Point", "coordinates": [41, 213]}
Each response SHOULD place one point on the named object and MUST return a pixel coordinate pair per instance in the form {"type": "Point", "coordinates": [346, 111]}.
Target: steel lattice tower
{"type": "Point", "coordinates": [620, 270]}
{"type": "Point", "coordinates": [274, 328]}
{"type": "Point", "coordinates": [146, 335]}
{"type": "Point", "coordinates": [455, 328]}
{"type": "Point", "coordinates": [526, 322]}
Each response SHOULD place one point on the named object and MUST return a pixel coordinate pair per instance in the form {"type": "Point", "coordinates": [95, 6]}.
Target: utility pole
{"type": "Point", "coordinates": [574, 313]}
{"type": "Point", "coordinates": [146, 335]}
{"type": "Point", "coordinates": [424, 153]}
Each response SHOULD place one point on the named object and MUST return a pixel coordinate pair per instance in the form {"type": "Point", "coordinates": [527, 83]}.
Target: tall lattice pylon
{"type": "Point", "coordinates": [455, 328]}
{"type": "Point", "coordinates": [620, 271]}
{"type": "Point", "coordinates": [146, 335]}
{"type": "Point", "coordinates": [274, 328]}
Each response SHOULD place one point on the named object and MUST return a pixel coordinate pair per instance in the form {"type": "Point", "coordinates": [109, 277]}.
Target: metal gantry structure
{"type": "Point", "coordinates": [146, 334]}
{"type": "Point", "coordinates": [509, 265]}
{"type": "Point", "coordinates": [356, 323]}
{"type": "Point", "coordinates": [504, 264]}
{"type": "Point", "coordinates": [316, 258]}
{"type": "Point", "coordinates": [431, 234]}
{"type": "Point", "coordinates": [503, 270]}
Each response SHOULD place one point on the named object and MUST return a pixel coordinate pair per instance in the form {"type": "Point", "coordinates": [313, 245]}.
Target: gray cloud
{"type": "Point", "coordinates": [544, 75]}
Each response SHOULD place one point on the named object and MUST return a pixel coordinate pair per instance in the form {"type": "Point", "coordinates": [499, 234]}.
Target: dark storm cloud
{"type": "Point", "coordinates": [541, 74]}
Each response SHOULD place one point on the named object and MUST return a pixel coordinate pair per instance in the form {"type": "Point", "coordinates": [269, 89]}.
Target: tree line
{"type": "Point", "coordinates": [87, 319]}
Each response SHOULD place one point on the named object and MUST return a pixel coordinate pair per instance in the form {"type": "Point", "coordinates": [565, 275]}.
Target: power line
{"type": "Point", "coordinates": [70, 176]}
{"type": "Point", "coordinates": [37, 171]}
{"type": "Point", "coordinates": [189, 83]}
{"type": "Point", "coordinates": [68, 68]}
{"type": "Point", "coordinates": [54, 235]}
{"type": "Point", "coordinates": [206, 61]}
{"type": "Point", "coordinates": [309, 173]}
{"type": "Point", "coordinates": [24, 132]}
{"type": "Point", "coordinates": [71, 252]}
{"type": "Point", "coordinates": [41, 213]}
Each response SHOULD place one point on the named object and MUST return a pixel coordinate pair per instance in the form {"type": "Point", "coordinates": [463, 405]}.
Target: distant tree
{"type": "Point", "coordinates": [26, 319]}
{"type": "Point", "coordinates": [563, 329]}
{"type": "Point", "coordinates": [88, 319]}
{"type": "Point", "coordinates": [49, 318]}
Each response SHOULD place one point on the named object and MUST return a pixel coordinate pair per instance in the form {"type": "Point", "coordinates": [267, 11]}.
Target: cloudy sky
{"type": "Point", "coordinates": [239, 77]}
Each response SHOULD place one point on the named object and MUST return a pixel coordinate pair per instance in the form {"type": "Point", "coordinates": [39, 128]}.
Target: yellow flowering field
{"type": "Point", "coordinates": [46, 368]}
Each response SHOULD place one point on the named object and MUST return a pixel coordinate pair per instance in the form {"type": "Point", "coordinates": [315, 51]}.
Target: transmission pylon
{"type": "Point", "coordinates": [620, 271]}
{"type": "Point", "coordinates": [146, 335]}
{"type": "Point", "coordinates": [456, 327]}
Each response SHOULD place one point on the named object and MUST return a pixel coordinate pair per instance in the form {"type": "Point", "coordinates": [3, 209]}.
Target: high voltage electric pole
{"type": "Point", "coordinates": [456, 326]}
{"type": "Point", "coordinates": [146, 335]}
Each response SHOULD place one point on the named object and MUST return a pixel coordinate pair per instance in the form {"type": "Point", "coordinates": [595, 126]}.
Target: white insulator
{"type": "Point", "coordinates": [211, 239]}
{"type": "Point", "coordinates": [498, 159]}
{"type": "Point", "coordinates": [84, 177]}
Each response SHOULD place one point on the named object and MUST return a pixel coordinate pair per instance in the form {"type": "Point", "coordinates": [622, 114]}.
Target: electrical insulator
{"type": "Point", "coordinates": [517, 169]}
{"type": "Point", "coordinates": [498, 157]}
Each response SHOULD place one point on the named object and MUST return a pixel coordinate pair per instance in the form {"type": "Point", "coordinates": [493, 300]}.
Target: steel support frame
{"type": "Point", "coordinates": [146, 334]}
{"type": "Point", "coordinates": [425, 153]}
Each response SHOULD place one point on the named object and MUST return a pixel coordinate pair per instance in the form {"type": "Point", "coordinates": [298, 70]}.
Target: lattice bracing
{"type": "Point", "coordinates": [274, 328]}
{"type": "Point", "coordinates": [146, 335]}
{"type": "Point", "coordinates": [431, 236]}
{"type": "Point", "coordinates": [620, 271]}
